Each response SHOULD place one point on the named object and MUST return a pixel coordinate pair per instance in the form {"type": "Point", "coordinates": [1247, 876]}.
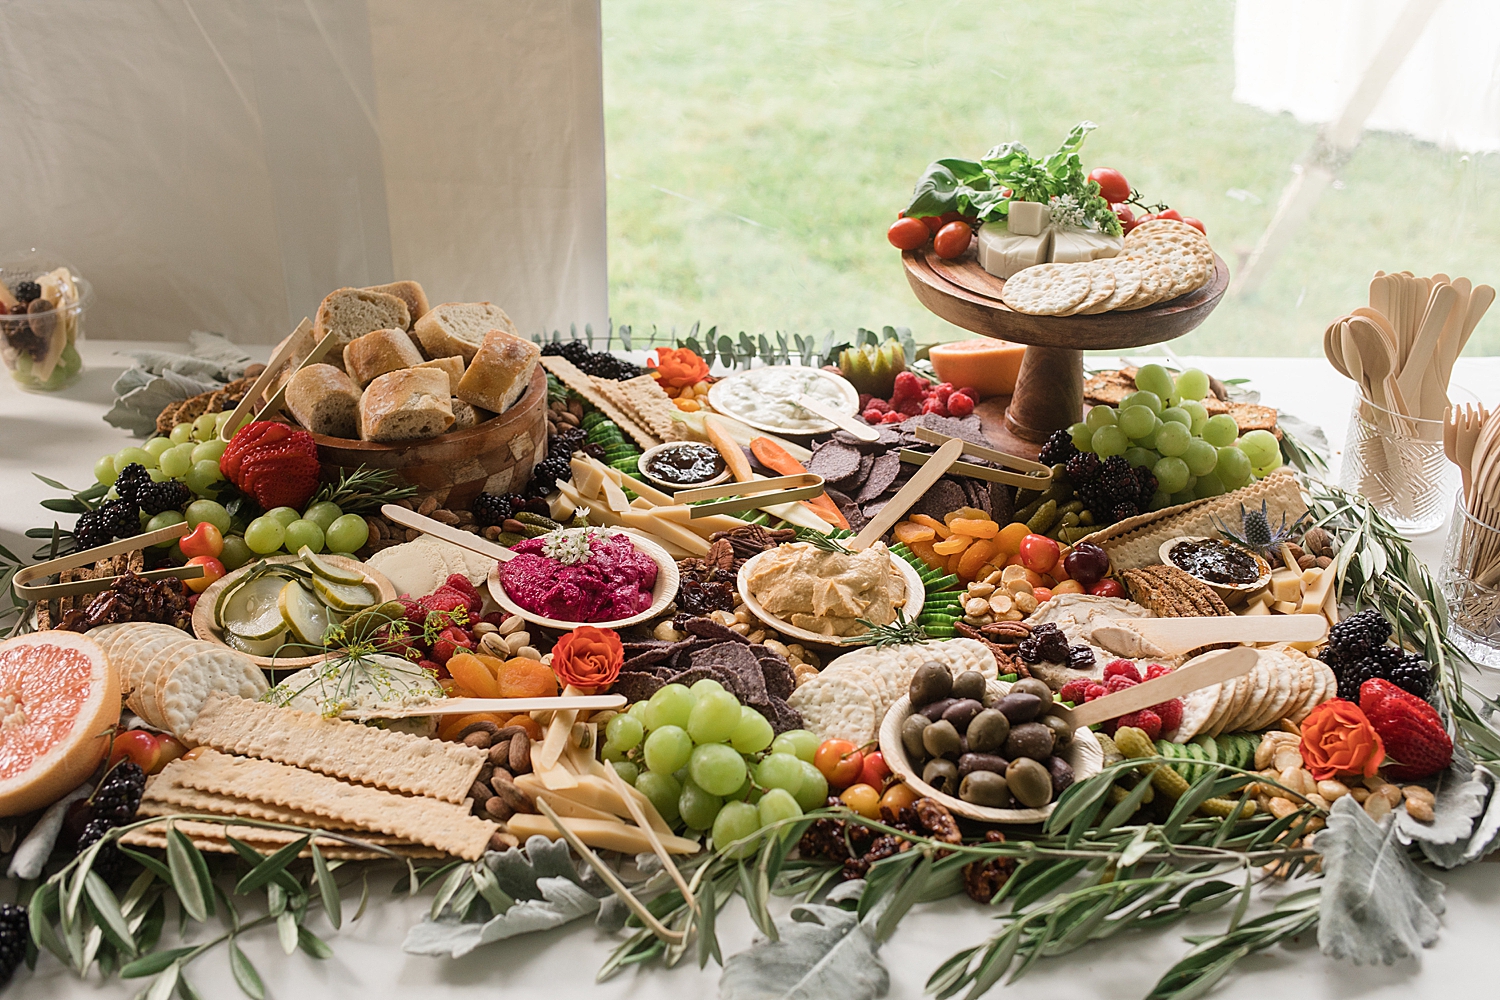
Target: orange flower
{"type": "Point", "coordinates": [1338, 739]}
{"type": "Point", "coordinates": [588, 658]}
{"type": "Point", "coordinates": [677, 367]}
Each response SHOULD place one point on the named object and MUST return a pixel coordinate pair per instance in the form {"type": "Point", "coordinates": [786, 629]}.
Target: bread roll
{"type": "Point", "coordinates": [409, 292]}
{"type": "Point", "coordinates": [459, 328]}
{"type": "Point", "coordinates": [466, 416]}
{"type": "Point", "coordinates": [500, 371]}
{"type": "Point", "coordinates": [325, 401]}
{"type": "Point", "coordinates": [454, 366]}
{"type": "Point", "coordinates": [378, 352]}
{"type": "Point", "coordinates": [406, 405]}
{"type": "Point", "coordinates": [354, 312]}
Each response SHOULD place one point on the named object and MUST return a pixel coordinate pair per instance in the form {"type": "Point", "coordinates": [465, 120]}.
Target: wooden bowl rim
{"type": "Point", "coordinates": [1084, 755]}
{"type": "Point", "coordinates": [663, 593]}
{"type": "Point", "coordinates": [909, 576]}
{"type": "Point", "coordinates": [851, 401]}
{"type": "Point", "coordinates": [203, 612]}
{"type": "Point", "coordinates": [518, 408]}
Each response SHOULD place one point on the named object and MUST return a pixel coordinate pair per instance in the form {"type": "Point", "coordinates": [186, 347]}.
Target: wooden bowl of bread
{"type": "Point", "coordinates": [451, 397]}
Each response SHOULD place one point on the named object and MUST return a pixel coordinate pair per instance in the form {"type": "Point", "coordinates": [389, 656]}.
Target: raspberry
{"type": "Point", "coordinates": [456, 592]}
{"type": "Point", "coordinates": [1095, 691]}
{"type": "Point", "coordinates": [864, 400]}
{"type": "Point", "coordinates": [943, 390]}
{"type": "Point", "coordinates": [934, 405]}
{"type": "Point", "coordinates": [969, 391]}
{"type": "Point", "coordinates": [960, 405]}
{"type": "Point", "coordinates": [894, 417]}
{"type": "Point", "coordinates": [1144, 719]}
{"type": "Point", "coordinates": [1075, 691]}
{"type": "Point", "coordinates": [908, 386]}
{"type": "Point", "coordinates": [1170, 713]}
{"type": "Point", "coordinates": [1157, 670]}
{"type": "Point", "coordinates": [910, 407]}
{"type": "Point", "coordinates": [871, 416]}
{"type": "Point", "coordinates": [879, 405]}
{"type": "Point", "coordinates": [1122, 668]}
{"type": "Point", "coordinates": [1118, 682]}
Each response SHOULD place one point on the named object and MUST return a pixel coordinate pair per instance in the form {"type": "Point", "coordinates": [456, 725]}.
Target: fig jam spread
{"type": "Point", "coordinates": [686, 464]}
{"type": "Point", "coordinates": [1215, 562]}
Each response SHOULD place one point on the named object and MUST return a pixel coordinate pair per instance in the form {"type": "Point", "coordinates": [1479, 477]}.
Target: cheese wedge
{"type": "Point", "coordinates": [1286, 586]}
{"type": "Point", "coordinates": [1073, 246]}
{"type": "Point", "coordinates": [1003, 253]}
{"type": "Point", "coordinates": [603, 834]}
{"type": "Point", "coordinates": [1028, 218]}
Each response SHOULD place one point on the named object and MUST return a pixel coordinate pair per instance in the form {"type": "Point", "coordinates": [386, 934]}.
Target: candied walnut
{"type": "Point", "coordinates": [982, 879]}
{"type": "Point", "coordinates": [937, 820]}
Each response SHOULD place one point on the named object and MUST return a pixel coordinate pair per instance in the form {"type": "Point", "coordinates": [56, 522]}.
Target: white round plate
{"type": "Point", "coordinates": [916, 597]}
{"type": "Point", "coordinates": [717, 399]}
{"type": "Point", "coordinates": [661, 595]}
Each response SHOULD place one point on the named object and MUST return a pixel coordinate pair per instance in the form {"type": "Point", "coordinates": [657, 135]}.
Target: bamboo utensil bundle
{"type": "Point", "coordinates": [1471, 440]}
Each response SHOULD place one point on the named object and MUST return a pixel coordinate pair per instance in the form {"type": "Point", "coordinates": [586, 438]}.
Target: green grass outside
{"type": "Point", "coordinates": [757, 152]}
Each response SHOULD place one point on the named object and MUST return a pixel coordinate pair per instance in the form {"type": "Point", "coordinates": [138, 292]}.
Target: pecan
{"type": "Point", "coordinates": [720, 554]}
{"type": "Point", "coordinates": [982, 879]}
{"type": "Point", "coordinates": [1000, 631]}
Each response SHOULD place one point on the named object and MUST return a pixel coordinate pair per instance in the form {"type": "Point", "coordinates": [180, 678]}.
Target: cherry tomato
{"type": "Point", "coordinates": [874, 771]}
{"type": "Point", "coordinates": [952, 240]}
{"type": "Point", "coordinates": [1145, 218]}
{"type": "Point", "coordinates": [1038, 553]}
{"type": "Point", "coordinates": [898, 797]}
{"type": "Point", "coordinates": [1196, 224]}
{"type": "Point", "coordinates": [1112, 184]}
{"type": "Point", "coordinates": [212, 570]}
{"type": "Point", "coordinates": [863, 799]}
{"type": "Point", "coordinates": [204, 540]}
{"type": "Point", "coordinates": [1125, 215]}
{"type": "Point", "coordinates": [1107, 588]}
{"type": "Point", "coordinates": [932, 222]}
{"type": "Point", "coordinates": [950, 216]}
{"type": "Point", "coordinates": [907, 234]}
{"type": "Point", "coordinates": [1170, 213]}
{"type": "Point", "coordinates": [1042, 594]}
{"type": "Point", "coordinates": [840, 761]}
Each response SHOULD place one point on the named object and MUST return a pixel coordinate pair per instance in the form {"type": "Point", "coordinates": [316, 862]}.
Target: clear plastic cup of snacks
{"type": "Point", "coordinates": [42, 304]}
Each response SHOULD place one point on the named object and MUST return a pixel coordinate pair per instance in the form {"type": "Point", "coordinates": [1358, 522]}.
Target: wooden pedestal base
{"type": "Point", "coordinates": [1049, 393]}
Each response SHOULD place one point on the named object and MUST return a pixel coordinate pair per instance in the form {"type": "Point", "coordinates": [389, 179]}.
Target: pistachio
{"type": "Point", "coordinates": [529, 653]}
{"type": "Point", "coordinates": [1377, 806]}
{"type": "Point", "coordinates": [511, 624]}
{"type": "Point", "coordinates": [1420, 811]}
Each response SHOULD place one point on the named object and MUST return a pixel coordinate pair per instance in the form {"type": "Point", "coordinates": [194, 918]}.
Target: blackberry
{"type": "Point", "coordinates": [122, 518]}
{"type": "Point", "coordinates": [169, 494]}
{"type": "Point", "coordinates": [1407, 671]}
{"type": "Point", "coordinates": [600, 363]}
{"type": "Point", "coordinates": [564, 443]}
{"type": "Point", "coordinates": [549, 470]}
{"type": "Point", "coordinates": [1356, 637]}
{"type": "Point", "coordinates": [131, 479]}
{"type": "Point", "coordinates": [490, 510]}
{"type": "Point", "coordinates": [1124, 510]}
{"type": "Point", "coordinates": [1080, 657]}
{"type": "Point", "coordinates": [1083, 467]}
{"type": "Point", "coordinates": [27, 292]}
{"type": "Point", "coordinates": [114, 803]}
{"type": "Point", "coordinates": [1046, 643]}
{"type": "Point", "coordinates": [15, 932]}
{"type": "Point", "coordinates": [1058, 449]}
{"type": "Point", "coordinates": [90, 532]}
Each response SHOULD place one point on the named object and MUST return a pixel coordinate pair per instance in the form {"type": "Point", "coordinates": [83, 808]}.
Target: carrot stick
{"type": "Point", "coordinates": [776, 458]}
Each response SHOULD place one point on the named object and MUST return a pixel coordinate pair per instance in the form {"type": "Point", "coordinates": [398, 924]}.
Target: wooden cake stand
{"type": "Point", "coordinates": [1049, 388]}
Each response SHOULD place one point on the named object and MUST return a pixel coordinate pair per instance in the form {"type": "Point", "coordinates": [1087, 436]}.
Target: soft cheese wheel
{"type": "Point", "coordinates": [59, 701]}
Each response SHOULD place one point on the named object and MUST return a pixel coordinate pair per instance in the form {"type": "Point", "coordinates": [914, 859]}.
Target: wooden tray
{"type": "Point", "coordinates": [1049, 388]}
{"type": "Point", "coordinates": [496, 457]}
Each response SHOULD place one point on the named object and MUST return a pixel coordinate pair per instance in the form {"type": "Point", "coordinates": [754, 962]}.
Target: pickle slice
{"type": "Point", "coordinates": [252, 611]}
{"type": "Point", "coordinates": [327, 570]}
{"type": "Point", "coordinates": [303, 613]}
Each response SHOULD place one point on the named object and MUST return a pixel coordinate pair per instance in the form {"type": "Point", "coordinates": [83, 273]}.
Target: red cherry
{"type": "Point", "coordinates": [1107, 588]}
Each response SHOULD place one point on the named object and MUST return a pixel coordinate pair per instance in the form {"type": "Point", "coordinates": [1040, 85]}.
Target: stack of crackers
{"type": "Point", "coordinates": [639, 405]}
{"type": "Point", "coordinates": [1284, 684]}
{"type": "Point", "coordinates": [1162, 259]}
{"type": "Point", "coordinates": [166, 674]}
{"type": "Point", "coordinates": [849, 699]}
{"type": "Point", "coordinates": [1172, 592]}
{"type": "Point", "coordinates": [392, 790]}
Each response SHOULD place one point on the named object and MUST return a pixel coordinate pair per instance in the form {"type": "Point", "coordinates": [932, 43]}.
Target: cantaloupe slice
{"type": "Point", "coordinates": [986, 364]}
{"type": "Point", "coordinates": [59, 702]}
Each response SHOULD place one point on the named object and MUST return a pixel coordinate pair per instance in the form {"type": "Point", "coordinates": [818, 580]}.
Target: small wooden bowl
{"type": "Point", "coordinates": [916, 596]}
{"type": "Point", "coordinates": [1231, 593]}
{"type": "Point", "coordinates": [1084, 755]}
{"type": "Point", "coordinates": [662, 594]}
{"type": "Point", "coordinates": [667, 485]}
{"type": "Point", "coordinates": [203, 613]}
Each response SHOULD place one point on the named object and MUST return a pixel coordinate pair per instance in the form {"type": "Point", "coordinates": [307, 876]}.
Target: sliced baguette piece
{"type": "Point", "coordinates": [354, 312]}
{"type": "Point", "coordinates": [500, 371]}
{"type": "Point", "coordinates": [466, 416]}
{"type": "Point", "coordinates": [406, 405]}
{"type": "Point", "coordinates": [459, 328]}
{"type": "Point", "coordinates": [409, 292]}
{"type": "Point", "coordinates": [454, 366]}
{"type": "Point", "coordinates": [378, 352]}
{"type": "Point", "coordinates": [325, 401]}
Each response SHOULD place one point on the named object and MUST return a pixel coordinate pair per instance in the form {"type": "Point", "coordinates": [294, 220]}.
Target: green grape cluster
{"type": "Point", "coordinates": [708, 763]}
{"type": "Point", "coordinates": [190, 454]}
{"type": "Point", "coordinates": [1165, 427]}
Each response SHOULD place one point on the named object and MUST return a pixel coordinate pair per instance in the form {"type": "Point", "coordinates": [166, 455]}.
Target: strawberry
{"type": "Point", "coordinates": [1416, 744]}
{"type": "Point", "coordinates": [960, 405]}
{"type": "Point", "coordinates": [275, 464]}
{"type": "Point", "coordinates": [1170, 713]}
{"type": "Point", "coordinates": [1075, 691]}
{"type": "Point", "coordinates": [1157, 670]}
{"type": "Point", "coordinates": [1121, 668]}
{"type": "Point", "coordinates": [1145, 719]}
{"type": "Point", "coordinates": [245, 439]}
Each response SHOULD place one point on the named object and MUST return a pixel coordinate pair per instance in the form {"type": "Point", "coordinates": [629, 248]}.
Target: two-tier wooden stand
{"type": "Point", "coordinates": [1049, 389]}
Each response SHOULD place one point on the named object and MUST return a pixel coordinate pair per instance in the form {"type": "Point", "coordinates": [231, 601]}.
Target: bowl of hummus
{"type": "Point", "coordinates": [822, 596]}
{"type": "Point", "coordinates": [605, 577]}
{"type": "Point", "coordinates": [766, 398]}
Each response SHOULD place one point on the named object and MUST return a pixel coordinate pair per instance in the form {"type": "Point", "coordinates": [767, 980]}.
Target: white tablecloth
{"type": "Point", "coordinates": [60, 436]}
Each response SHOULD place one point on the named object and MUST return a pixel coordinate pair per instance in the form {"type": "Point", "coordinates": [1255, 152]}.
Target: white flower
{"type": "Point", "coordinates": [1067, 212]}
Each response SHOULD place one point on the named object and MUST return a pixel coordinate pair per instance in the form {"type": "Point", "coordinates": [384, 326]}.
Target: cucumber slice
{"type": "Point", "coordinates": [342, 596]}
{"type": "Point", "coordinates": [1210, 747]}
{"type": "Point", "coordinates": [258, 647]}
{"type": "Point", "coordinates": [252, 611]}
{"type": "Point", "coordinates": [303, 613]}
{"type": "Point", "coordinates": [327, 570]}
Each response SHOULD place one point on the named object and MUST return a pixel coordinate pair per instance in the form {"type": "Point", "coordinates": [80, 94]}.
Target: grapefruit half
{"type": "Point", "coordinates": [59, 701]}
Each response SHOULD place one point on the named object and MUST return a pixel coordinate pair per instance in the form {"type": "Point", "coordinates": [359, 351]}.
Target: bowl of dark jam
{"type": "Point", "coordinates": [1233, 572]}
{"type": "Point", "coordinates": [681, 465]}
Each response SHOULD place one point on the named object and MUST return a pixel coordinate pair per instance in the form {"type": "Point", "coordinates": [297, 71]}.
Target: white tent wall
{"type": "Point", "coordinates": [222, 166]}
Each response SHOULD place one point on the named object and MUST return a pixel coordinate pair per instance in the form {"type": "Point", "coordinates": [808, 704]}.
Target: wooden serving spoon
{"type": "Point", "coordinates": [1179, 635]}
{"type": "Point", "coordinates": [914, 490]}
{"type": "Point", "coordinates": [463, 706]}
{"type": "Point", "coordinates": [1211, 668]}
{"type": "Point", "coordinates": [842, 421]}
{"type": "Point", "coordinates": [437, 529]}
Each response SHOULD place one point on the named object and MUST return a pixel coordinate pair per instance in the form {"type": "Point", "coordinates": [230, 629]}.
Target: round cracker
{"type": "Point", "coordinates": [1258, 690]}
{"type": "Point", "coordinates": [125, 651]}
{"type": "Point", "coordinates": [217, 668]}
{"type": "Point", "coordinates": [1197, 708]}
{"type": "Point", "coordinates": [1283, 686]}
{"type": "Point", "coordinates": [1228, 691]}
{"type": "Point", "coordinates": [835, 707]}
{"type": "Point", "coordinates": [1047, 289]}
{"type": "Point", "coordinates": [1128, 274]}
{"type": "Point", "coordinates": [1101, 287]}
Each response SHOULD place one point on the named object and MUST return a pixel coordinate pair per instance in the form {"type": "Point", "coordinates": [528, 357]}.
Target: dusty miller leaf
{"type": "Point", "coordinates": [1375, 905]}
{"type": "Point", "coordinates": [1460, 798]}
{"type": "Point", "coordinates": [137, 409]}
{"type": "Point", "coordinates": [824, 951]}
{"type": "Point", "coordinates": [1483, 838]}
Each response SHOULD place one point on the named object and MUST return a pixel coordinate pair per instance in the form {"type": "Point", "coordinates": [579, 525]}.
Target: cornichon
{"type": "Point", "coordinates": [509, 538]}
{"type": "Point", "coordinates": [1056, 493]}
{"type": "Point", "coordinates": [1040, 522]}
{"type": "Point", "coordinates": [1134, 742]}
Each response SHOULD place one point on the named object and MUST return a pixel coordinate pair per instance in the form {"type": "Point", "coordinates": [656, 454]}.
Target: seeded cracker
{"type": "Point", "coordinates": [382, 758]}
{"type": "Point", "coordinates": [441, 825]}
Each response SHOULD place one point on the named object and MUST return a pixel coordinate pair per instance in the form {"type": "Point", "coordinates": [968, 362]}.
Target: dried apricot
{"type": "Point", "coordinates": [473, 675]}
{"type": "Point", "coordinates": [964, 514]}
{"type": "Point", "coordinates": [1010, 537]}
{"type": "Point", "coordinates": [975, 557]}
{"type": "Point", "coordinates": [924, 552]}
{"type": "Point", "coordinates": [526, 722]}
{"type": "Point", "coordinates": [952, 544]}
{"type": "Point", "coordinates": [908, 532]}
{"type": "Point", "coordinates": [933, 523]}
{"type": "Point", "coordinates": [974, 527]}
{"type": "Point", "coordinates": [525, 678]}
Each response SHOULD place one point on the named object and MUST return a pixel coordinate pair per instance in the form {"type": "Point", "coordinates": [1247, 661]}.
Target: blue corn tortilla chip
{"type": "Point", "coordinates": [780, 715]}
{"type": "Point", "coordinates": [736, 660]}
{"type": "Point", "coordinates": [637, 686]}
{"type": "Point", "coordinates": [707, 628]}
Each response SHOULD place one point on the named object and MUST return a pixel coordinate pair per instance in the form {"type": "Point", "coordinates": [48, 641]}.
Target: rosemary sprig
{"type": "Point", "coordinates": [820, 541]}
{"type": "Point", "coordinates": [364, 490]}
{"type": "Point", "coordinates": [901, 632]}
